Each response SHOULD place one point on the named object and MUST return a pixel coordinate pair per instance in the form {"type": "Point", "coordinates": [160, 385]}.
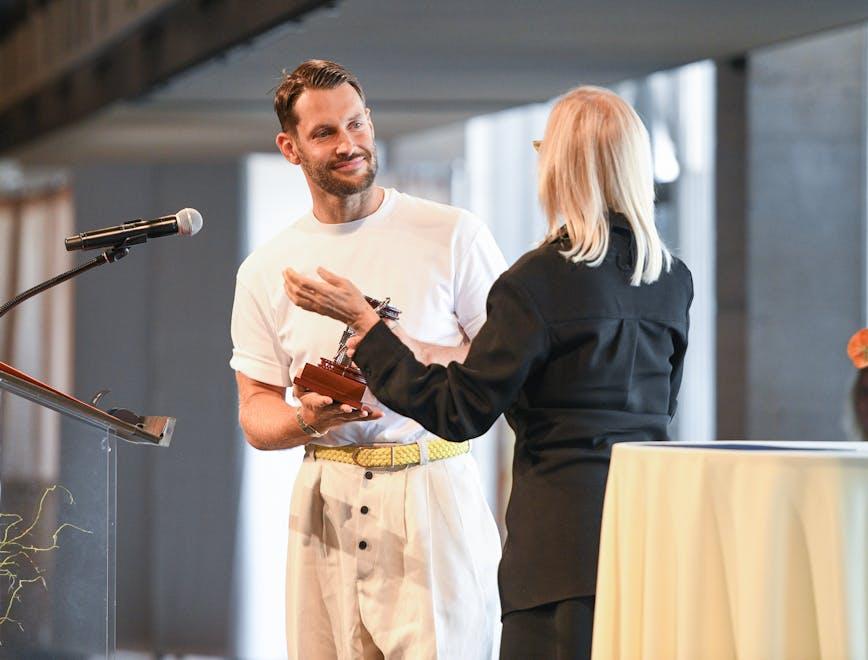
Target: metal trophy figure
{"type": "Point", "coordinates": [338, 378]}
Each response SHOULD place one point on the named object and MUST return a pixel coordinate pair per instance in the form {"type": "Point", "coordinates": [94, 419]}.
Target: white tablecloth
{"type": "Point", "coordinates": [744, 552]}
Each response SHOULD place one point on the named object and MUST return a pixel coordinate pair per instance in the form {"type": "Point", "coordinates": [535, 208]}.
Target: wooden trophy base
{"type": "Point", "coordinates": [342, 384]}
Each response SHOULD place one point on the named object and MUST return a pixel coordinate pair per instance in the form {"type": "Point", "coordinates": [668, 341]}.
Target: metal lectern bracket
{"type": "Point", "coordinates": [94, 401]}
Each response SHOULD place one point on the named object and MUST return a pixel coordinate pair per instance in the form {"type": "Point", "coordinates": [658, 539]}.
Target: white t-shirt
{"type": "Point", "coordinates": [435, 262]}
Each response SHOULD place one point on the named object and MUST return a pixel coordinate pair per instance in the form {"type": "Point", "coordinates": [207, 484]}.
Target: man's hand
{"type": "Point", "coordinates": [333, 296]}
{"type": "Point", "coordinates": [338, 298]}
{"type": "Point", "coordinates": [270, 423]}
{"type": "Point", "coordinates": [322, 412]}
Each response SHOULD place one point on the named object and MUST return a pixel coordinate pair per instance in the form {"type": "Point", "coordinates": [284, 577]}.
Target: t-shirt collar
{"type": "Point", "coordinates": [310, 223]}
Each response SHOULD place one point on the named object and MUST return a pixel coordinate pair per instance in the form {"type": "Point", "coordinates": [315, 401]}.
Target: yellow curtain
{"type": "Point", "coordinates": [37, 337]}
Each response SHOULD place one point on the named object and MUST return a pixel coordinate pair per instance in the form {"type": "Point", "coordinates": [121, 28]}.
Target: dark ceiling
{"type": "Point", "coordinates": [12, 12]}
{"type": "Point", "coordinates": [426, 63]}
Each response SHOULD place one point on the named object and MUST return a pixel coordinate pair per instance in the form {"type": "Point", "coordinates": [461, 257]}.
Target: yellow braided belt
{"type": "Point", "coordinates": [390, 455]}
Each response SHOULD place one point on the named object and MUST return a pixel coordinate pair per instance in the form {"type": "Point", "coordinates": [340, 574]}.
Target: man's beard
{"type": "Point", "coordinates": [324, 176]}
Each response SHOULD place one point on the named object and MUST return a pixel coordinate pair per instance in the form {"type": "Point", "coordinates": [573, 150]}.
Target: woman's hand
{"type": "Point", "coordinates": [333, 296]}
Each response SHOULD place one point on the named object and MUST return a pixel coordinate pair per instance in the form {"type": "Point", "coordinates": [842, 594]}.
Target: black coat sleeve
{"type": "Point", "coordinates": [677, 364]}
{"type": "Point", "coordinates": [680, 350]}
{"type": "Point", "coordinates": [461, 401]}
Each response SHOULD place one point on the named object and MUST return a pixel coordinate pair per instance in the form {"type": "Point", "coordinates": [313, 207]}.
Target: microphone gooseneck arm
{"type": "Point", "coordinates": [109, 256]}
{"type": "Point", "coordinates": [116, 241]}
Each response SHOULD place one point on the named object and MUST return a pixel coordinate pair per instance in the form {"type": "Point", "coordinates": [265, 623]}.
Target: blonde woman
{"type": "Point", "coordinates": [583, 348]}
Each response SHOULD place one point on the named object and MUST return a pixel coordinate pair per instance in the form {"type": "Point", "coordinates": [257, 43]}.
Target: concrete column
{"type": "Point", "coordinates": [154, 328]}
{"type": "Point", "coordinates": [731, 249]}
{"type": "Point", "coordinates": [791, 250]}
{"type": "Point", "coordinates": [806, 226]}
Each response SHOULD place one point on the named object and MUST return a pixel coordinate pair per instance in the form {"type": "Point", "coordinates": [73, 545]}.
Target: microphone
{"type": "Point", "coordinates": [186, 222]}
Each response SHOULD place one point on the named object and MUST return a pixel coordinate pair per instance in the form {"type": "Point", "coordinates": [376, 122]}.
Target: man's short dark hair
{"type": "Point", "coordinates": [313, 74]}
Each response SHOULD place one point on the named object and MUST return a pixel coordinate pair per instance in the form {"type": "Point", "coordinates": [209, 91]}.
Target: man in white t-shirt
{"type": "Point", "coordinates": [390, 554]}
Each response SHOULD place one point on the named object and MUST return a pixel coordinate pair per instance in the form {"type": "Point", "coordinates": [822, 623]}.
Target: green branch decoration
{"type": "Point", "coordinates": [19, 553]}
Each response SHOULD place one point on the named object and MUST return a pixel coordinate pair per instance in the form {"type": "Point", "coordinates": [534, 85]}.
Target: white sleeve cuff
{"type": "Point", "coordinates": [256, 368]}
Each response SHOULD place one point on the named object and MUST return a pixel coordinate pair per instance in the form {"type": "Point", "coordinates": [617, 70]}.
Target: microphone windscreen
{"type": "Point", "coordinates": [189, 222]}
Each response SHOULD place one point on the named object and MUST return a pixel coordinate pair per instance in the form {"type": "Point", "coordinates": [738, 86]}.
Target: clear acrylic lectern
{"type": "Point", "coordinates": [57, 521]}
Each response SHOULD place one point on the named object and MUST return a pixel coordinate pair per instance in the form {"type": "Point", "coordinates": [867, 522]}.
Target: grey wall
{"type": "Point", "coordinates": [806, 218]}
{"type": "Point", "coordinates": [731, 249]}
{"type": "Point", "coordinates": [154, 328]}
{"type": "Point", "coordinates": [791, 267]}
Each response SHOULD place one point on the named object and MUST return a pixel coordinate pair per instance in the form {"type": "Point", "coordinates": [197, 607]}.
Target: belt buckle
{"type": "Point", "coordinates": [383, 445]}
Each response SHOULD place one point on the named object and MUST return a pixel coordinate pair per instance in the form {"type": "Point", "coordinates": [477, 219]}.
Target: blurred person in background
{"type": "Point", "coordinates": [855, 420]}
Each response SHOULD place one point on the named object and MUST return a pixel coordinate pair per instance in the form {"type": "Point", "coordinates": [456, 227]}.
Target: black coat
{"type": "Point", "coordinates": [578, 360]}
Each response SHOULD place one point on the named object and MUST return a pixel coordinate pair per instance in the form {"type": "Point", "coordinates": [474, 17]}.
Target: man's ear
{"type": "Point", "coordinates": [286, 145]}
{"type": "Point", "coordinates": [370, 121]}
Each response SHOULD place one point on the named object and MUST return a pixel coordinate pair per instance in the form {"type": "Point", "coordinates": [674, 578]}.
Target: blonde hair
{"type": "Point", "coordinates": [596, 157]}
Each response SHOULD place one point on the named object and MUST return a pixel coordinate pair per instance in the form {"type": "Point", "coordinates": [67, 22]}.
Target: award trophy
{"type": "Point", "coordinates": [338, 378]}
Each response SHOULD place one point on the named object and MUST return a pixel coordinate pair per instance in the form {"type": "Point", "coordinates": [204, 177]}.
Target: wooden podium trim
{"type": "Point", "coordinates": [12, 371]}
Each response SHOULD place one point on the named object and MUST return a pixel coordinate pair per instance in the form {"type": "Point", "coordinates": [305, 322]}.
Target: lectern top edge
{"type": "Point", "coordinates": [153, 430]}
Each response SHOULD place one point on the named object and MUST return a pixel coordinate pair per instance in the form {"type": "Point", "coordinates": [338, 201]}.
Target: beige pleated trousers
{"type": "Point", "coordinates": [393, 563]}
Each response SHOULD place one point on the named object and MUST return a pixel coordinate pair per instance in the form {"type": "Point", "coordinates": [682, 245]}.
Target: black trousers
{"type": "Point", "coordinates": [554, 631]}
